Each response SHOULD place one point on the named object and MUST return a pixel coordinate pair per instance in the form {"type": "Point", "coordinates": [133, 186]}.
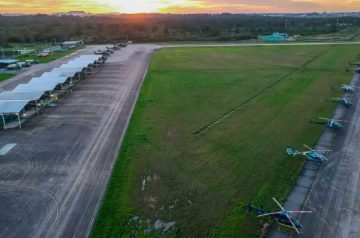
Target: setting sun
{"type": "Point", "coordinates": [146, 6]}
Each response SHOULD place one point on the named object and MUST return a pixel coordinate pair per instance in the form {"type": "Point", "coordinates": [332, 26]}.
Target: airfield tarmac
{"type": "Point", "coordinates": [331, 191]}
{"type": "Point", "coordinates": [335, 195]}
{"type": "Point", "coordinates": [52, 181]}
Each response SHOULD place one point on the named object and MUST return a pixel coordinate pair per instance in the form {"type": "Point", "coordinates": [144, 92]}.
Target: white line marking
{"type": "Point", "coordinates": [6, 149]}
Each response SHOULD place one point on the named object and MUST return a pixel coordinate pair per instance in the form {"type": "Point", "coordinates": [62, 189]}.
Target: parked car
{"type": "Point", "coordinates": [13, 67]}
{"type": "Point", "coordinates": [24, 64]}
{"type": "Point", "coordinates": [42, 54]}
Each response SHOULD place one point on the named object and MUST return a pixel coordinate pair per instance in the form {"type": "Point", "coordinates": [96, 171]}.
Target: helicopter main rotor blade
{"type": "Point", "coordinates": [323, 118]}
{"type": "Point", "coordinates": [269, 214]}
{"type": "Point", "coordinates": [317, 150]}
{"type": "Point", "coordinates": [278, 204]}
{"type": "Point", "coordinates": [292, 223]}
{"type": "Point", "coordinates": [299, 212]}
{"type": "Point", "coordinates": [308, 147]}
{"type": "Point", "coordinates": [340, 120]}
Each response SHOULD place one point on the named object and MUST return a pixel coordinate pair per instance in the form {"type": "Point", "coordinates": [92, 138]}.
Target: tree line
{"type": "Point", "coordinates": [159, 27]}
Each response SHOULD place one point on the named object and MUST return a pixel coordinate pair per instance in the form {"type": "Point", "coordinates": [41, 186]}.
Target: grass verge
{"type": "Point", "coordinates": [201, 181]}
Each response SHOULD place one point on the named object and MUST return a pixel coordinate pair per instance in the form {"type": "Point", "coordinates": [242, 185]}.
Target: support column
{"type": "Point", "coordinates": [3, 121]}
{"type": "Point", "coordinates": [37, 108]}
{"type": "Point", "coordinates": [19, 120]}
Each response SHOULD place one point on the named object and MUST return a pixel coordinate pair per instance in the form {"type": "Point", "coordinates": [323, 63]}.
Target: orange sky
{"type": "Point", "coordinates": [177, 6]}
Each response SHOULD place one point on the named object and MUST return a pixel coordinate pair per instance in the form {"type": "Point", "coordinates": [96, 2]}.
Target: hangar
{"type": "Point", "coordinates": [12, 111]}
{"type": "Point", "coordinates": [26, 100]}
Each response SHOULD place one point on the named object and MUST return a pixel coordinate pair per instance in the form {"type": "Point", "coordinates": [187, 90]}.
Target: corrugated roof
{"type": "Point", "coordinates": [49, 86]}
{"type": "Point", "coordinates": [8, 61]}
{"type": "Point", "coordinates": [12, 106]}
{"type": "Point", "coordinates": [15, 101]}
{"type": "Point", "coordinates": [66, 72]}
{"type": "Point", "coordinates": [49, 78]}
{"type": "Point", "coordinates": [11, 95]}
{"type": "Point", "coordinates": [51, 74]}
{"type": "Point", "coordinates": [93, 57]}
{"type": "Point", "coordinates": [73, 67]}
{"type": "Point", "coordinates": [79, 64]}
{"type": "Point", "coordinates": [71, 42]}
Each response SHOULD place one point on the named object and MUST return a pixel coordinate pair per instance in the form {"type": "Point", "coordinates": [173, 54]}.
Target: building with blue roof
{"type": "Point", "coordinates": [277, 36]}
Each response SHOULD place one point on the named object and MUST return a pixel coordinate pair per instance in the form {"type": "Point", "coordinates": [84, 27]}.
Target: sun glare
{"type": "Point", "coordinates": [146, 6]}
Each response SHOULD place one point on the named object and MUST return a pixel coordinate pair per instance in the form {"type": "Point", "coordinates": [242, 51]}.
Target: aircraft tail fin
{"type": "Point", "coordinates": [258, 210]}
{"type": "Point", "coordinates": [291, 151]}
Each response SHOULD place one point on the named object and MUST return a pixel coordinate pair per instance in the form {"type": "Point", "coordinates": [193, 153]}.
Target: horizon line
{"type": "Point", "coordinates": [162, 13]}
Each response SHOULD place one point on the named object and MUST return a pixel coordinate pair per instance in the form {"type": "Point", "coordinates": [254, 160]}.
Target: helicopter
{"type": "Point", "coordinates": [310, 155]}
{"type": "Point", "coordinates": [342, 101]}
{"type": "Point", "coordinates": [283, 217]}
{"type": "Point", "coordinates": [348, 88]}
{"type": "Point", "coordinates": [330, 123]}
{"type": "Point", "coordinates": [355, 64]}
{"type": "Point", "coordinates": [356, 70]}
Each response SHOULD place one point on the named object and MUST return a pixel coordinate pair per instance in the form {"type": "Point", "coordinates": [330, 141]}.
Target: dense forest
{"type": "Point", "coordinates": [159, 27]}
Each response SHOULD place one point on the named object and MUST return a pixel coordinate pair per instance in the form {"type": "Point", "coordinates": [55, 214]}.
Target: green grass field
{"type": "Point", "coordinates": [202, 181]}
{"type": "Point", "coordinates": [47, 59]}
{"type": "Point", "coordinates": [6, 76]}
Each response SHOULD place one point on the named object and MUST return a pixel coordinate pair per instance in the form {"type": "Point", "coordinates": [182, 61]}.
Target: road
{"type": "Point", "coordinates": [53, 180]}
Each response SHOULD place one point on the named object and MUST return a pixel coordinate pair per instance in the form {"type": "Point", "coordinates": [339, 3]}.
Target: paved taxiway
{"type": "Point", "coordinates": [53, 180]}
{"type": "Point", "coordinates": [335, 196]}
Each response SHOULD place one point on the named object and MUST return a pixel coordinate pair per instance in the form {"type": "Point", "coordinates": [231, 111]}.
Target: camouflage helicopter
{"type": "Point", "coordinates": [348, 88]}
{"type": "Point", "coordinates": [342, 101]}
{"type": "Point", "coordinates": [310, 155]}
{"type": "Point", "coordinates": [330, 123]}
{"type": "Point", "coordinates": [357, 63]}
{"type": "Point", "coordinates": [356, 70]}
{"type": "Point", "coordinates": [283, 217]}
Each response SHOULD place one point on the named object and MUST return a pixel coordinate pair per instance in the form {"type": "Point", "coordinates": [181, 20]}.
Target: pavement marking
{"type": "Point", "coordinates": [6, 149]}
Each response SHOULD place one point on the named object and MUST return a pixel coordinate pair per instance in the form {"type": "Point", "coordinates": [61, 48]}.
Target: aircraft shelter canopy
{"type": "Point", "coordinates": [48, 86]}
{"type": "Point", "coordinates": [7, 107]}
{"type": "Point", "coordinates": [21, 95]}
{"type": "Point", "coordinates": [51, 78]}
{"type": "Point", "coordinates": [65, 72]}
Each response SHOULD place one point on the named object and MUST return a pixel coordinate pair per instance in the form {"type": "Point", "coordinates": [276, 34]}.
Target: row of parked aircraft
{"type": "Point", "coordinates": [315, 155]}
{"type": "Point", "coordinates": [288, 218]}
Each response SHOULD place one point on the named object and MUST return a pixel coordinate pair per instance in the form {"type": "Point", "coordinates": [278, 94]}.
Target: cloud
{"type": "Point", "coordinates": [278, 6]}
{"type": "Point", "coordinates": [50, 6]}
{"type": "Point", "coordinates": [177, 6]}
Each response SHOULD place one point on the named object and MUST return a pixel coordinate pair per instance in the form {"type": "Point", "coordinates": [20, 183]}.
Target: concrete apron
{"type": "Point", "coordinates": [299, 196]}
